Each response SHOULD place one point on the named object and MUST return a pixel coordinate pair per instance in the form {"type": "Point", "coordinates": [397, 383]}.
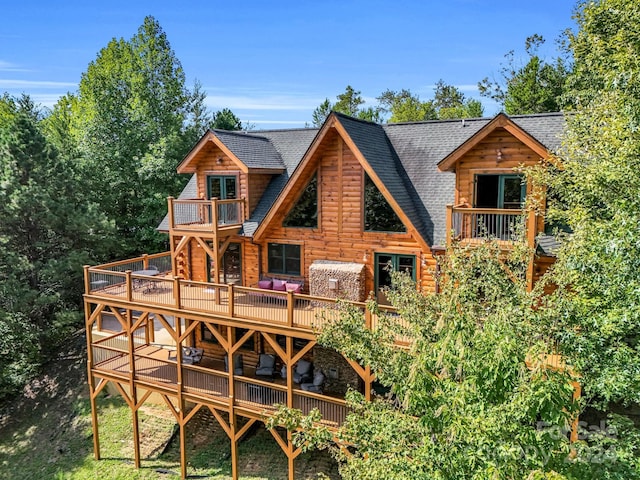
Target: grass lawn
{"type": "Point", "coordinates": [46, 434]}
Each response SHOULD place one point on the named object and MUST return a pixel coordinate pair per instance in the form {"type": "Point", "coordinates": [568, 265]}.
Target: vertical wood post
{"type": "Point", "coordinates": [290, 456]}
{"type": "Point", "coordinates": [289, 353]}
{"type": "Point", "coordinates": [290, 303]}
{"type": "Point", "coordinates": [132, 388]}
{"type": "Point", "coordinates": [449, 224]}
{"type": "Point", "coordinates": [531, 242]}
{"type": "Point", "coordinates": [181, 403]}
{"type": "Point", "coordinates": [145, 261]}
{"type": "Point", "coordinates": [367, 370]}
{"type": "Point", "coordinates": [92, 382]}
{"type": "Point", "coordinates": [87, 281]}
{"type": "Point", "coordinates": [176, 291]}
{"type": "Point", "coordinates": [232, 411]}
{"type": "Point", "coordinates": [128, 285]}
{"type": "Point", "coordinates": [231, 294]}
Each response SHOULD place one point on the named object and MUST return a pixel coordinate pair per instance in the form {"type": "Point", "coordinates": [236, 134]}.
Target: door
{"type": "Point", "coordinates": [385, 263]}
{"type": "Point", "coordinates": [224, 187]}
{"type": "Point", "coordinates": [498, 192]}
{"type": "Point", "coordinates": [230, 266]}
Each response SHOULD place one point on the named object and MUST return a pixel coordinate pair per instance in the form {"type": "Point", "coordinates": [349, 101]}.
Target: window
{"type": "Point", "coordinates": [500, 191]}
{"type": "Point", "coordinates": [378, 214]}
{"type": "Point", "coordinates": [305, 212]}
{"type": "Point", "coordinates": [387, 262]}
{"type": "Point", "coordinates": [284, 258]}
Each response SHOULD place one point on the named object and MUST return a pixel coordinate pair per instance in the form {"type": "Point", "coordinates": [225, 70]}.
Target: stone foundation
{"type": "Point", "coordinates": [339, 374]}
{"type": "Point", "coordinates": [333, 279]}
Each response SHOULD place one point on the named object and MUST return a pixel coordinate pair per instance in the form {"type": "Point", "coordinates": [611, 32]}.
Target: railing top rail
{"type": "Point", "coordinates": [256, 381]}
{"type": "Point", "coordinates": [317, 396]}
{"type": "Point", "coordinates": [495, 211]}
{"type": "Point", "coordinates": [132, 260]}
{"type": "Point", "coordinates": [201, 201]}
{"type": "Point", "coordinates": [208, 371]}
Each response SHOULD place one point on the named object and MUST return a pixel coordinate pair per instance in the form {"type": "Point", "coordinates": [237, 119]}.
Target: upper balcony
{"type": "Point", "coordinates": [206, 216]}
{"type": "Point", "coordinates": [473, 225]}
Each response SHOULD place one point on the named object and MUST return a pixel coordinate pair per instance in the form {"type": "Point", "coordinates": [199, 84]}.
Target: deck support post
{"type": "Point", "coordinates": [234, 445]}
{"type": "Point", "coordinates": [133, 393]}
{"type": "Point", "coordinates": [290, 457]}
{"type": "Point", "coordinates": [92, 381]}
{"type": "Point", "coordinates": [531, 241]}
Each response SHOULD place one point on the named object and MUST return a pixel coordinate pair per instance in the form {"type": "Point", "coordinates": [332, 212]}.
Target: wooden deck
{"type": "Point", "coordinates": [156, 367]}
{"type": "Point", "coordinates": [297, 311]}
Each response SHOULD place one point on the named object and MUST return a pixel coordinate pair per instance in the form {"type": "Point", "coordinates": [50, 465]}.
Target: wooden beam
{"type": "Point", "coordinates": [220, 420]}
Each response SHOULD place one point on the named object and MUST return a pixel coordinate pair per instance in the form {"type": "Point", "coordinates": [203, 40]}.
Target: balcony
{"type": "Point", "coordinates": [130, 281]}
{"type": "Point", "coordinates": [205, 216]}
{"type": "Point", "coordinates": [474, 225]}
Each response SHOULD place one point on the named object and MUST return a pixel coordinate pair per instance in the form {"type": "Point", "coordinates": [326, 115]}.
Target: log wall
{"type": "Point", "coordinates": [340, 234]}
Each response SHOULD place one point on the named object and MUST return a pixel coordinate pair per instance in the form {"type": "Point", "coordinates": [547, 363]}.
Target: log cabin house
{"type": "Point", "coordinates": [272, 227]}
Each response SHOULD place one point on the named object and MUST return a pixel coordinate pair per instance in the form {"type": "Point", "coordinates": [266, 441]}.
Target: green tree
{"type": "Point", "coordinates": [535, 87]}
{"type": "Point", "coordinates": [448, 102]}
{"type": "Point", "coordinates": [595, 195]}
{"type": "Point", "coordinates": [350, 103]}
{"type": "Point", "coordinates": [48, 231]}
{"type": "Point", "coordinates": [225, 119]}
{"type": "Point", "coordinates": [130, 122]}
{"type": "Point", "coordinates": [404, 106]}
{"type": "Point", "coordinates": [468, 398]}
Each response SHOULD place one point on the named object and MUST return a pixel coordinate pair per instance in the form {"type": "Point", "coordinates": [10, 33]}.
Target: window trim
{"type": "Point", "coordinates": [284, 245]}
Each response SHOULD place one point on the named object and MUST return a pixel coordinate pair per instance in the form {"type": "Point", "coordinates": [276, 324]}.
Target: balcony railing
{"type": "Point", "coordinates": [205, 215]}
{"type": "Point", "coordinates": [293, 310]}
{"type": "Point", "coordinates": [474, 224]}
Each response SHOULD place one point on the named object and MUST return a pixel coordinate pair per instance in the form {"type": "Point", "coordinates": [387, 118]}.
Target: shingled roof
{"type": "Point", "coordinates": [404, 156]}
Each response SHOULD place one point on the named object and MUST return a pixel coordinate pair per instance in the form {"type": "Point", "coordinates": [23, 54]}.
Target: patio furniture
{"type": "Point", "coordinates": [238, 364]}
{"type": "Point", "coordinates": [302, 372]}
{"type": "Point", "coordinates": [192, 355]}
{"type": "Point", "coordinates": [266, 365]}
{"type": "Point", "coordinates": [147, 286]}
{"type": "Point", "coordinates": [316, 385]}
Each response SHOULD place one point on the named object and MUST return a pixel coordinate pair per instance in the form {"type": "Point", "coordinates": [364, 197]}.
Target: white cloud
{"type": "Point", "coordinates": [22, 84]}
{"type": "Point", "coordinates": [11, 67]}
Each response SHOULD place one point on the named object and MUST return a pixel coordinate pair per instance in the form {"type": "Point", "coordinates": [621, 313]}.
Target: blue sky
{"type": "Point", "coordinates": [273, 62]}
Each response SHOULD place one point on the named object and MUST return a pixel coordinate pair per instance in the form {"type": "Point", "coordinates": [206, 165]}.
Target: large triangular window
{"type": "Point", "coordinates": [378, 214]}
{"type": "Point", "coordinates": [305, 212]}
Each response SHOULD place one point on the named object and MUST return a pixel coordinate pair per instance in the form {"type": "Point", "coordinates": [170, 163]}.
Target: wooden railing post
{"type": "Point", "coordinates": [176, 291]}
{"type": "Point", "coordinates": [231, 293]}
{"type": "Point", "coordinates": [290, 304]}
{"type": "Point", "coordinates": [214, 214]}
{"type": "Point", "coordinates": [145, 261]}
{"type": "Point", "coordinates": [531, 242]}
{"type": "Point", "coordinates": [449, 223]}
{"type": "Point", "coordinates": [129, 285]}
{"type": "Point", "coordinates": [87, 281]}
{"type": "Point", "coordinates": [172, 224]}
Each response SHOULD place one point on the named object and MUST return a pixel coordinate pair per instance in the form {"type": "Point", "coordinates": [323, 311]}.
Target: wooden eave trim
{"type": "Point", "coordinates": [185, 167]}
{"type": "Point", "coordinates": [267, 171]}
{"type": "Point", "coordinates": [411, 229]}
{"type": "Point", "coordinates": [499, 121]}
{"type": "Point", "coordinates": [295, 176]}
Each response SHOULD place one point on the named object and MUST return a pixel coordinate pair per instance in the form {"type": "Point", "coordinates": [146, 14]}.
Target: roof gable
{"type": "Point", "coordinates": [249, 152]}
{"type": "Point", "coordinates": [499, 121]}
{"type": "Point", "coordinates": [369, 144]}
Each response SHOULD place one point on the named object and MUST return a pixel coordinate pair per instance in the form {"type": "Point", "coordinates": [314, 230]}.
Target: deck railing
{"type": "Point", "coordinates": [485, 223]}
{"type": "Point", "coordinates": [289, 309]}
{"type": "Point", "coordinates": [205, 215]}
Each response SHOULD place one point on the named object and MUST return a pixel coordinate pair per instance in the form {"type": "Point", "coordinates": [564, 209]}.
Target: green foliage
{"type": "Point", "coordinates": [406, 107]}
{"type": "Point", "coordinates": [448, 102]}
{"type": "Point", "coordinates": [130, 122]}
{"type": "Point", "coordinates": [468, 398]}
{"type": "Point", "coordinates": [225, 119]}
{"type": "Point", "coordinates": [349, 102]}
{"type": "Point", "coordinates": [595, 195]}
{"type": "Point", "coordinates": [535, 87]}
{"type": "Point", "coordinates": [48, 231]}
